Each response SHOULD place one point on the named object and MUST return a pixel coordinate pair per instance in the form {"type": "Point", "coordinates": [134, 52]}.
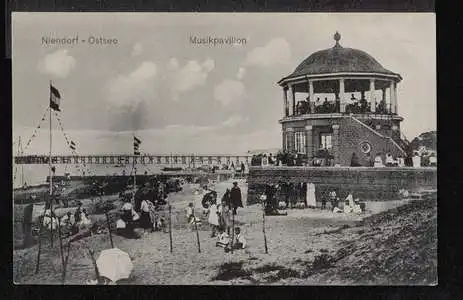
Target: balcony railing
{"type": "Point", "coordinates": [361, 107]}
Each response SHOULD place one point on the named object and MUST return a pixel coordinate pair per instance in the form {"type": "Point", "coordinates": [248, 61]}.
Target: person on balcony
{"type": "Point", "coordinates": [389, 160]}
{"type": "Point", "coordinates": [299, 108]}
{"type": "Point", "coordinates": [307, 105]}
{"type": "Point", "coordinates": [363, 106]}
{"type": "Point", "coordinates": [378, 161]}
{"type": "Point", "coordinates": [317, 106]}
{"type": "Point", "coordinates": [325, 106]}
{"type": "Point", "coordinates": [382, 107]}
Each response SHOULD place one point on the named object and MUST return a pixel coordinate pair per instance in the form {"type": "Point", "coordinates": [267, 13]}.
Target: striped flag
{"type": "Point", "coordinates": [55, 98]}
{"type": "Point", "coordinates": [136, 145]}
{"type": "Point", "coordinates": [73, 145]}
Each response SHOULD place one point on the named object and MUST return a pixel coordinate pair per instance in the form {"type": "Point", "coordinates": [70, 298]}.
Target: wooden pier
{"type": "Point", "coordinates": [147, 159]}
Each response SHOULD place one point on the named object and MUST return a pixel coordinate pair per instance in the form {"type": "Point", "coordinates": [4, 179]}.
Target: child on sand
{"type": "Point", "coordinates": [223, 239]}
{"type": "Point", "coordinates": [240, 240]}
{"type": "Point", "coordinates": [189, 213]}
{"type": "Point", "coordinates": [191, 219]}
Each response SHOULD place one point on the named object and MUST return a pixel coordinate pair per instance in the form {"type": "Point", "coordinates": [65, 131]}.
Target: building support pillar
{"type": "Point", "coordinates": [311, 97]}
{"type": "Point", "coordinates": [342, 103]}
{"type": "Point", "coordinates": [309, 143]}
{"type": "Point", "coordinates": [394, 97]}
{"type": "Point", "coordinates": [285, 104]}
{"type": "Point", "coordinates": [283, 135]}
{"type": "Point", "coordinates": [293, 97]}
{"type": "Point", "coordinates": [336, 144]}
{"type": "Point", "coordinates": [290, 139]}
{"type": "Point", "coordinates": [292, 107]}
{"type": "Point", "coordinates": [372, 96]}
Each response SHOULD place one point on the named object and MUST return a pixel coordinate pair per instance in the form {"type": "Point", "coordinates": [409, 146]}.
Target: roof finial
{"type": "Point", "coordinates": [337, 37]}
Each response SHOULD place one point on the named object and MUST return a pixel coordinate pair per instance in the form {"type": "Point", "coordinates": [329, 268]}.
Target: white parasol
{"type": "Point", "coordinates": [114, 264]}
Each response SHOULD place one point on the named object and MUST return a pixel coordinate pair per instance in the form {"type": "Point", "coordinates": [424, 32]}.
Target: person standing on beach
{"type": "Point", "coordinates": [235, 197]}
{"type": "Point", "coordinates": [145, 218]}
{"type": "Point", "coordinates": [213, 217]}
{"type": "Point", "coordinates": [225, 216]}
{"type": "Point", "coordinates": [226, 197]}
{"type": "Point", "coordinates": [78, 213]}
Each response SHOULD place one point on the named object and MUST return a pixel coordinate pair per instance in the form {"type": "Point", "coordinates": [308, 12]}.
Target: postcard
{"type": "Point", "coordinates": [224, 149]}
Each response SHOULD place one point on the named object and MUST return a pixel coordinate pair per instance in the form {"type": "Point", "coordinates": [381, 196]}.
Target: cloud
{"type": "Point", "coordinates": [233, 121]}
{"type": "Point", "coordinates": [277, 51]}
{"type": "Point", "coordinates": [229, 91]}
{"type": "Point", "coordinates": [137, 49]}
{"type": "Point", "coordinates": [241, 73]}
{"type": "Point", "coordinates": [173, 64]}
{"type": "Point", "coordinates": [130, 89]}
{"type": "Point", "coordinates": [129, 97]}
{"type": "Point", "coordinates": [192, 75]}
{"type": "Point", "coordinates": [58, 64]}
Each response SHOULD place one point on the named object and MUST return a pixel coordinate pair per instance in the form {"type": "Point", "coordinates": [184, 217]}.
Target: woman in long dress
{"type": "Point", "coordinates": [311, 200]}
{"type": "Point", "coordinates": [213, 217]}
{"type": "Point", "coordinates": [145, 218]}
{"type": "Point", "coordinates": [225, 215]}
{"type": "Point", "coordinates": [349, 204]}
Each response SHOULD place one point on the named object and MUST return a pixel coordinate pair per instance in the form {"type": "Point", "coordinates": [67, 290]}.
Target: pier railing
{"type": "Point", "coordinates": [175, 159]}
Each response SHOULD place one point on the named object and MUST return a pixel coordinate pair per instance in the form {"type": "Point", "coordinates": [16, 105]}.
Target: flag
{"type": "Point", "coordinates": [136, 145]}
{"type": "Point", "coordinates": [55, 98]}
{"type": "Point", "coordinates": [73, 145]}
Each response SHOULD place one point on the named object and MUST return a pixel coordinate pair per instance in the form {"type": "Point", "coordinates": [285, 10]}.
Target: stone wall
{"type": "Point", "coordinates": [372, 184]}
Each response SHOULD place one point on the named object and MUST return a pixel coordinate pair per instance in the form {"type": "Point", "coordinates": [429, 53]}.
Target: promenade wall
{"type": "Point", "coordinates": [370, 184]}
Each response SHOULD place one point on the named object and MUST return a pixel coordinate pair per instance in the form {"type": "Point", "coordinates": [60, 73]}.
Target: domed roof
{"type": "Point", "coordinates": [339, 60]}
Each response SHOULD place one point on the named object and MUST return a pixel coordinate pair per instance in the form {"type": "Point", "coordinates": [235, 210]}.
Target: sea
{"type": "Point", "coordinates": [35, 174]}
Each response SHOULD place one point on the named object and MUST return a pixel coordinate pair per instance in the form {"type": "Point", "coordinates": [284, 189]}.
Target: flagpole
{"type": "Point", "coordinates": [51, 180]}
{"type": "Point", "coordinates": [134, 174]}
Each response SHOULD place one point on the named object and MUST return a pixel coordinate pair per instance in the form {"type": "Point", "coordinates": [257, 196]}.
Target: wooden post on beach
{"type": "Point", "coordinates": [109, 228]}
{"type": "Point", "coordinates": [61, 246]}
{"type": "Point", "coordinates": [170, 227]}
{"type": "Point", "coordinates": [233, 232]}
{"type": "Point", "coordinates": [37, 266]}
{"type": "Point", "coordinates": [40, 249]}
{"type": "Point", "coordinates": [263, 227]}
{"type": "Point", "coordinates": [27, 224]}
{"type": "Point", "coordinates": [197, 233]}
{"type": "Point", "coordinates": [97, 273]}
{"type": "Point", "coordinates": [66, 261]}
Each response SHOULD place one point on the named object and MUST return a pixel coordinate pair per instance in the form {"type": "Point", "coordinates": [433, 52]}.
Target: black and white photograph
{"type": "Point", "coordinates": [224, 149]}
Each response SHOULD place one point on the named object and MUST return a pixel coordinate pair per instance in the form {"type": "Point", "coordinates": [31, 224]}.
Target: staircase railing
{"type": "Point", "coordinates": [379, 134]}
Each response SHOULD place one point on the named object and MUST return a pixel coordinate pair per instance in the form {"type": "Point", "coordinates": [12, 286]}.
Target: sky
{"type": "Point", "coordinates": [180, 97]}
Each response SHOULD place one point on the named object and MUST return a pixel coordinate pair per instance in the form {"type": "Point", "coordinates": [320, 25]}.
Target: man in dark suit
{"type": "Point", "coordinates": [235, 197]}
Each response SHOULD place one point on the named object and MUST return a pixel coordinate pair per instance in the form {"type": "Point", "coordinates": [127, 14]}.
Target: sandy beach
{"type": "Point", "coordinates": [294, 241]}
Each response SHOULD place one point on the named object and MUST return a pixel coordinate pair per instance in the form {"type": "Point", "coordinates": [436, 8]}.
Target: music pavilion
{"type": "Point", "coordinates": [340, 101]}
